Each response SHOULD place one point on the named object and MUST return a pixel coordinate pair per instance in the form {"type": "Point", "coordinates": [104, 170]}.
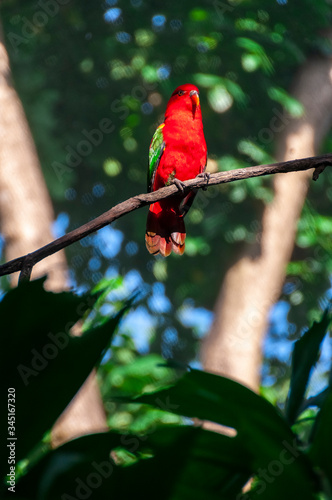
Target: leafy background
{"type": "Point", "coordinates": [121, 60]}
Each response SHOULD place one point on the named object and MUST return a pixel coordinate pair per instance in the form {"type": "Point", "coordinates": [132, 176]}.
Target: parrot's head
{"type": "Point", "coordinates": [184, 97]}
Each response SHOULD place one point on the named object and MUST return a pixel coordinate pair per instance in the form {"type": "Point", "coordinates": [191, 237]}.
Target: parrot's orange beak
{"type": "Point", "coordinates": [195, 100]}
{"type": "Point", "coordinates": [194, 97]}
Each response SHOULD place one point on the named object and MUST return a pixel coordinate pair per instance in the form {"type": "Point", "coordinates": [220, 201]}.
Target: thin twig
{"type": "Point", "coordinates": [26, 262]}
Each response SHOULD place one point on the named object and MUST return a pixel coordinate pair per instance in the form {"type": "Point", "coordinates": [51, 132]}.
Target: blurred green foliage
{"type": "Point", "coordinates": [157, 452]}
{"type": "Point", "coordinates": [76, 64]}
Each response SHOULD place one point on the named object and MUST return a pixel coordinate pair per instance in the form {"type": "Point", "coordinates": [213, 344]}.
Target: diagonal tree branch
{"type": "Point", "coordinates": [26, 262]}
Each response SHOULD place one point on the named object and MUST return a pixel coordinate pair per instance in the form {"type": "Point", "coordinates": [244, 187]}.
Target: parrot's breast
{"type": "Point", "coordinates": [185, 151]}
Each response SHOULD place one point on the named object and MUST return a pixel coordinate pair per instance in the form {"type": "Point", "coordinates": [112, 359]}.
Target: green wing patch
{"type": "Point", "coordinates": [157, 148]}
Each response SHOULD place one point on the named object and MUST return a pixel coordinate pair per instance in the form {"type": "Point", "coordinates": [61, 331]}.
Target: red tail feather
{"type": "Point", "coordinates": [165, 231]}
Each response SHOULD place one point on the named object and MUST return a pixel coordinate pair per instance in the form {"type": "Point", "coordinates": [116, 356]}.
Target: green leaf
{"type": "Point", "coordinates": [41, 361]}
{"type": "Point", "coordinates": [261, 431]}
{"type": "Point", "coordinates": [255, 152]}
{"type": "Point", "coordinates": [305, 355]}
{"type": "Point", "coordinates": [188, 464]}
{"type": "Point", "coordinates": [320, 451]}
{"type": "Point", "coordinates": [291, 105]}
{"type": "Point", "coordinates": [256, 49]}
{"type": "Point", "coordinates": [208, 80]}
{"type": "Point", "coordinates": [137, 375]}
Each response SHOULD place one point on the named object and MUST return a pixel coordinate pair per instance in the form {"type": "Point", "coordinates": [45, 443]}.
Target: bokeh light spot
{"type": "Point", "coordinates": [155, 99]}
{"type": "Point", "coordinates": [112, 167]}
{"type": "Point", "coordinates": [86, 65]}
{"type": "Point", "coordinates": [176, 24]}
{"type": "Point", "coordinates": [163, 72]}
{"type": "Point", "coordinates": [94, 264]}
{"type": "Point", "coordinates": [123, 37]}
{"type": "Point", "coordinates": [111, 15]}
{"type": "Point", "coordinates": [98, 190]}
{"type": "Point", "coordinates": [130, 144]}
{"type": "Point", "coordinates": [147, 108]}
{"type": "Point", "coordinates": [158, 21]}
{"type": "Point", "coordinates": [220, 99]}
{"type": "Point", "coordinates": [132, 248]}
{"type": "Point", "coordinates": [70, 194]}
{"type": "Point", "coordinates": [144, 38]}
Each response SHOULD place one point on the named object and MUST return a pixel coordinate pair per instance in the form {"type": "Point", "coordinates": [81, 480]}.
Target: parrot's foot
{"type": "Point", "coordinates": [206, 177]}
{"type": "Point", "coordinates": [179, 184]}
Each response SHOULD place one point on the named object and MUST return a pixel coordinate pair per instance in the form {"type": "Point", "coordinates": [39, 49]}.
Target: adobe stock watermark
{"type": "Point", "coordinates": [274, 469]}
{"type": "Point", "coordinates": [94, 137]}
{"type": "Point", "coordinates": [83, 487]}
{"type": "Point", "coordinates": [277, 124]}
{"type": "Point", "coordinates": [31, 27]}
{"type": "Point", "coordinates": [40, 359]}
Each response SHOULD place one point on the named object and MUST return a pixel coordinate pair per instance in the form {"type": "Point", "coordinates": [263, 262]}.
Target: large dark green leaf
{"type": "Point", "coordinates": [189, 463]}
{"type": "Point", "coordinates": [320, 451]}
{"type": "Point", "coordinates": [40, 360]}
{"type": "Point", "coordinates": [261, 432]}
{"type": "Point", "coordinates": [305, 355]}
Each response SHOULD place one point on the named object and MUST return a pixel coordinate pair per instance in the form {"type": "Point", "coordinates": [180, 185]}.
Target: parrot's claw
{"type": "Point", "coordinates": [179, 184]}
{"type": "Point", "coordinates": [206, 177]}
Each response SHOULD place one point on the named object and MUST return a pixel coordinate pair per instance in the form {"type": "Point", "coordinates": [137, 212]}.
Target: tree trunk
{"type": "Point", "coordinates": [234, 344]}
{"type": "Point", "coordinates": [26, 217]}
{"type": "Point", "coordinates": [84, 415]}
{"type": "Point", "coordinates": [25, 206]}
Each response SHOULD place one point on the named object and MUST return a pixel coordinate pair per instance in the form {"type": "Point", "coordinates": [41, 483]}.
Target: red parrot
{"type": "Point", "coordinates": [177, 153]}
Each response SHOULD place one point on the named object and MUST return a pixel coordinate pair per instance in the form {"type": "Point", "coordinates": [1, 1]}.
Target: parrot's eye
{"type": "Point", "coordinates": [181, 92]}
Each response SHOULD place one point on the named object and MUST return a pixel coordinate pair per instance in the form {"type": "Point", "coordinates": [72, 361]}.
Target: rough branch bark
{"type": "Point", "coordinates": [254, 283]}
{"type": "Point", "coordinates": [26, 262]}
